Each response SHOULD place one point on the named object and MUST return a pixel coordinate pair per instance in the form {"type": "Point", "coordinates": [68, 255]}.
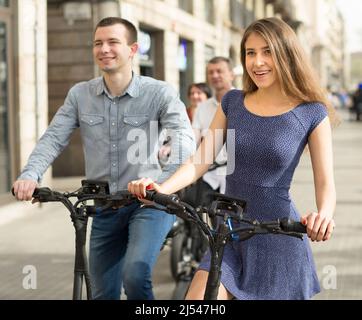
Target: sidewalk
{"type": "Point", "coordinates": [44, 237]}
{"type": "Point", "coordinates": [39, 235]}
{"type": "Point", "coordinates": [343, 253]}
{"type": "Point", "coordinates": [17, 210]}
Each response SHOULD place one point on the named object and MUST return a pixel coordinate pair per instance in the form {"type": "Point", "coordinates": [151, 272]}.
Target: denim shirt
{"type": "Point", "coordinates": [120, 135]}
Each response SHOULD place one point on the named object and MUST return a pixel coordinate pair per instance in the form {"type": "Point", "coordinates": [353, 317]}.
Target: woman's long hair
{"type": "Point", "coordinates": [294, 72]}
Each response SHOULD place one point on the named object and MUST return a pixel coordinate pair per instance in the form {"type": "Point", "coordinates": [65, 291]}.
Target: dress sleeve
{"type": "Point", "coordinates": [319, 114]}
{"type": "Point", "coordinates": [225, 103]}
{"type": "Point", "coordinates": [231, 97]}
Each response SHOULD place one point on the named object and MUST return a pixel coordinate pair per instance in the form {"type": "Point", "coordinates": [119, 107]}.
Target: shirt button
{"type": "Point", "coordinates": [113, 123]}
{"type": "Point", "coordinates": [114, 146]}
{"type": "Point", "coordinates": [113, 164]}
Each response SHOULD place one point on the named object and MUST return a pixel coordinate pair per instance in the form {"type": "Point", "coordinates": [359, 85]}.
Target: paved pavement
{"type": "Point", "coordinates": [41, 238]}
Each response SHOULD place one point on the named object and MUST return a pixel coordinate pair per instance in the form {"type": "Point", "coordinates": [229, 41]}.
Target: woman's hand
{"type": "Point", "coordinates": [139, 187]}
{"type": "Point", "coordinates": [319, 226]}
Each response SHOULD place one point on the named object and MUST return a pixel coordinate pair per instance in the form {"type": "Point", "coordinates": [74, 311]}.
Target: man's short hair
{"type": "Point", "coordinates": [219, 59]}
{"type": "Point", "coordinates": [110, 21]}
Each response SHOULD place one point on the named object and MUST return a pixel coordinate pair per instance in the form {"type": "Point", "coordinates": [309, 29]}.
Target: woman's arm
{"type": "Point", "coordinates": [320, 224]}
{"type": "Point", "coordinates": [195, 166]}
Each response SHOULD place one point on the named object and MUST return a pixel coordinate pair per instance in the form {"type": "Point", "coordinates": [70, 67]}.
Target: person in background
{"type": "Point", "coordinates": [197, 93]}
{"type": "Point", "coordinates": [220, 77]}
{"type": "Point", "coordinates": [357, 102]}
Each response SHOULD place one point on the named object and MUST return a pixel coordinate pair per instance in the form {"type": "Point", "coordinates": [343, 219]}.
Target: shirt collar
{"type": "Point", "coordinates": [100, 87]}
{"type": "Point", "coordinates": [133, 88]}
{"type": "Point", "coordinates": [214, 101]}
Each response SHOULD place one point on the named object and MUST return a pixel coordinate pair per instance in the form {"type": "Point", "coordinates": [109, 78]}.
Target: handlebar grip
{"type": "Point", "coordinates": [36, 191]}
{"type": "Point", "coordinates": [166, 200]}
{"type": "Point", "coordinates": [289, 225]}
{"type": "Point", "coordinates": [162, 198]}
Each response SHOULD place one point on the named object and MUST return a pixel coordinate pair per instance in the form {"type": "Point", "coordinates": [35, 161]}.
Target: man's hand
{"type": "Point", "coordinates": [24, 189]}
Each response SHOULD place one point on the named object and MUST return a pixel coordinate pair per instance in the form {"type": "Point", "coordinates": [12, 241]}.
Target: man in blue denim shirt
{"type": "Point", "coordinates": [120, 116]}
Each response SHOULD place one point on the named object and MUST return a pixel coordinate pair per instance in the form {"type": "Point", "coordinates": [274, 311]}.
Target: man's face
{"type": "Point", "coordinates": [219, 76]}
{"type": "Point", "coordinates": [111, 50]}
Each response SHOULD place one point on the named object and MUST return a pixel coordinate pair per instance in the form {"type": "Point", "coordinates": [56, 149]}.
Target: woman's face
{"type": "Point", "coordinates": [259, 62]}
{"type": "Point", "coordinates": [196, 96]}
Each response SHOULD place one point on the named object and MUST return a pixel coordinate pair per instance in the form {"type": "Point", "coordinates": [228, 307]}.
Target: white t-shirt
{"type": "Point", "coordinates": [203, 117]}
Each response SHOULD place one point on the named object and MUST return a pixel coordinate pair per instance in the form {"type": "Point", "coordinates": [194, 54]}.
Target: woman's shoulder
{"type": "Point", "coordinates": [234, 92]}
{"type": "Point", "coordinates": [311, 108]}
{"type": "Point", "coordinates": [232, 97]}
{"type": "Point", "coordinates": [310, 114]}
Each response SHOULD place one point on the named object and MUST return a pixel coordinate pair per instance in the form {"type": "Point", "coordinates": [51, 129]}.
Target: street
{"type": "Point", "coordinates": [39, 239]}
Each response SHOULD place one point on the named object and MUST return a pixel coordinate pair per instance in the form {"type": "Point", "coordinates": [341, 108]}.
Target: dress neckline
{"type": "Point", "coordinates": [273, 116]}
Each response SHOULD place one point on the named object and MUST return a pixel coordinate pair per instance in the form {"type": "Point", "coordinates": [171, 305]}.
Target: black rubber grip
{"type": "Point", "coordinates": [36, 192]}
{"type": "Point", "coordinates": [150, 194]}
{"type": "Point", "coordinates": [163, 199]}
{"type": "Point", "coordinates": [288, 225]}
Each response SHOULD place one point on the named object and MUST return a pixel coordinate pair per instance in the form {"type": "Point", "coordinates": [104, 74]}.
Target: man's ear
{"type": "Point", "coordinates": [134, 48]}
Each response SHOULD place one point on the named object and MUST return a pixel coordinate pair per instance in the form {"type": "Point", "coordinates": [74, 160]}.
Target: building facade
{"type": "Point", "coordinates": [322, 28]}
{"type": "Point", "coordinates": [24, 88]}
{"type": "Point", "coordinates": [46, 47]}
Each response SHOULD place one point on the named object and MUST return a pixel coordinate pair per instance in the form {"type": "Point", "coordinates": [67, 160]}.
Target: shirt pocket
{"type": "Point", "coordinates": [92, 126]}
{"type": "Point", "coordinates": [135, 120]}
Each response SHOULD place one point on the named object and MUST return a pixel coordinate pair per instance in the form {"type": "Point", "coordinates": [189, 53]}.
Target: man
{"type": "Point", "coordinates": [357, 102]}
{"type": "Point", "coordinates": [220, 77]}
{"type": "Point", "coordinates": [116, 114]}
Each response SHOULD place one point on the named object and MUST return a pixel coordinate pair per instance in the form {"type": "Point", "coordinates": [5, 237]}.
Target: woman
{"type": "Point", "coordinates": [281, 111]}
{"type": "Point", "coordinates": [197, 92]}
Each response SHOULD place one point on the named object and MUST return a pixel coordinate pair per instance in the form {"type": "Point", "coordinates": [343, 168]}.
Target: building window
{"type": "Point", "coordinates": [151, 46]}
{"type": "Point", "coordinates": [209, 11]}
{"type": "Point", "coordinates": [209, 54]}
{"type": "Point", "coordinates": [146, 53]}
{"type": "Point", "coordinates": [242, 12]}
{"type": "Point", "coordinates": [186, 5]}
{"type": "Point", "coordinates": [185, 64]}
{"type": "Point", "coordinates": [237, 8]}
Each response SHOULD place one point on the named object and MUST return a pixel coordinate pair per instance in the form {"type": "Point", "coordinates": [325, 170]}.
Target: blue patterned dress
{"type": "Point", "coordinates": [267, 151]}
